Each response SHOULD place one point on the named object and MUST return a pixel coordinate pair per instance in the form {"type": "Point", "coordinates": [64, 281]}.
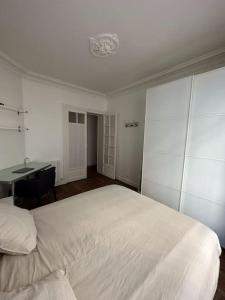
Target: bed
{"type": "Point", "coordinates": [115, 244]}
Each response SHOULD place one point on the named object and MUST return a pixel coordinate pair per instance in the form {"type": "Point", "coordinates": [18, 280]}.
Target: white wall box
{"type": "Point", "coordinates": [184, 147]}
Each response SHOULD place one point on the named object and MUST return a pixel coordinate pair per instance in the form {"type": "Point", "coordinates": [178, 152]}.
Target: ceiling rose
{"type": "Point", "coordinates": [103, 45]}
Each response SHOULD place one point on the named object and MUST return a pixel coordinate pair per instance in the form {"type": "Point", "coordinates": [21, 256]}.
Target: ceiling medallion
{"type": "Point", "coordinates": [104, 44]}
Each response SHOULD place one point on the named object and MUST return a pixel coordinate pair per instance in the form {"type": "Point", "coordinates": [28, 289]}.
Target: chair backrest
{"type": "Point", "coordinates": [45, 181]}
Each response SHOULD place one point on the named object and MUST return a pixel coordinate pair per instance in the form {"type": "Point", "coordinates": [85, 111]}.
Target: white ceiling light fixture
{"type": "Point", "coordinates": [103, 45]}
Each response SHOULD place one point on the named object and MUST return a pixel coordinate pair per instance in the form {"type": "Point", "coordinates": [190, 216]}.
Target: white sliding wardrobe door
{"type": "Point", "coordinates": [167, 109]}
{"type": "Point", "coordinates": [203, 194]}
{"type": "Point", "coordinates": [109, 145]}
{"type": "Point", "coordinates": [75, 144]}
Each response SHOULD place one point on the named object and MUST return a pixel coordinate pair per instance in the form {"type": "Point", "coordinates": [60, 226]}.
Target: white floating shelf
{"type": "Point", "coordinates": [12, 108]}
{"type": "Point", "coordinates": [19, 128]}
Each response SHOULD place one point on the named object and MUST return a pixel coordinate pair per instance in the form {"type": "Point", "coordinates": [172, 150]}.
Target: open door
{"type": "Point", "coordinates": [109, 145]}
{"type": "Point", "coordinates": [100, 145]}
{"type": "Point", "coordinates": [75, 144]}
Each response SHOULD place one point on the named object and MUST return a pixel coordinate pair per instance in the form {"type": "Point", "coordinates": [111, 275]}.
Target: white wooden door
{"type": "Point", "coordinates": [100, 144]}
{"type": "Point", "coordinates": [109, 145]}
{"type": "Point", "coordinates": [75, 144]}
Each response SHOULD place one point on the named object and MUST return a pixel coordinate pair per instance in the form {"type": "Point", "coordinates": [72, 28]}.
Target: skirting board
{"type": "Point", "coordinates": [127, 181]}
{"type": "Point", "coordinates": [124, 180]}
{"type": "Point", "coordinates": [74, 178]}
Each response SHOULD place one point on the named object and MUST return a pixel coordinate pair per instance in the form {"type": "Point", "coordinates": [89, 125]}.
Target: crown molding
{"type": "Point", "coordinates": [12, 63]}
{"type": "Point", "coordinates": [137, 84]}
{"type": "Point", "coordinates": [40, 77]}
{"type": "Point", "coordinates": [169, 71]}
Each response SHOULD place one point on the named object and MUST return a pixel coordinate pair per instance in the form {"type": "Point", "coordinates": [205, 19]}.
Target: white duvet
{"type": "Point", "coordinates": [115, 244]}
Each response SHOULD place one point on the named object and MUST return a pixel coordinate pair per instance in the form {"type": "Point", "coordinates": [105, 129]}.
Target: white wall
{"type": "Point", "coordinates": [44, 100]}
{"type": "Point", "coordinates": [12, 143]}
{"type": "Point", "coordinates": [92, 123]}
{"type": "Point", "coordinates": [129, 106]}
{"type": "Point", "coordinates": [12, 149]}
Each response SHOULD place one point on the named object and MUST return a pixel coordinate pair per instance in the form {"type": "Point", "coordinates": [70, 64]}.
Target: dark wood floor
{"type": "Point", "coordinates": [220, 293]}
{"type": "Point", "coordinates": [94, 181]}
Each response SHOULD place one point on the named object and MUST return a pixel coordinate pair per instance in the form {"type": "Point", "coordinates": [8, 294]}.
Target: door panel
{"type": "Point", "coordinates": [109, 145]}
{"type": "Point", "coordinates": [75, 144]}
{"type": "Point", "coordinates": [203, 195]}
{"type": "Point", "coordinates": [100, 145]}
{"type": "Point", "coordinates": [166, 120]}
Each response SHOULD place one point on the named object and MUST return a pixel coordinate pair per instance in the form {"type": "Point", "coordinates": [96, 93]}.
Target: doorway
{"type": "Point", "coordinates": [89, 144]}
{"type": "Point", "coordinates": [92, 144]}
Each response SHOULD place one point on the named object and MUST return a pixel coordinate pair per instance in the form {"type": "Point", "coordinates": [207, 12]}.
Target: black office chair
{"type": "Point", "coordinates": [37, 187]}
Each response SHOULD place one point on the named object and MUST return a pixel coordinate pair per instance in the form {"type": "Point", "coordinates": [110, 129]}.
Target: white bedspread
{"type": "Point", "coordinates": [117, 245]}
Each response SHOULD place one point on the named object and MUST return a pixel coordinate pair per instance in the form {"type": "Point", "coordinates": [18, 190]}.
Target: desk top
{"type": "Point", "coordinates": [8, 177]}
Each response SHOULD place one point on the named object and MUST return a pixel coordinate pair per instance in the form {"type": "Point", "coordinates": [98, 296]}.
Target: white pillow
{"type": "Point", "coordinates": [18, 234]}
{"type": "Point", "coordinates": [53, 287]}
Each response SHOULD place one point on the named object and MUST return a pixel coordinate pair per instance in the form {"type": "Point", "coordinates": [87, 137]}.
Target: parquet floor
{"type": "Point", "coordinates": [220, 293]}
{"type": "Point", "coordinates": [93, 181]}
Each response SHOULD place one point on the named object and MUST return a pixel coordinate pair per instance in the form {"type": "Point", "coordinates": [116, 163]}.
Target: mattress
{"type": "Point", "coordinates": [115, 244]}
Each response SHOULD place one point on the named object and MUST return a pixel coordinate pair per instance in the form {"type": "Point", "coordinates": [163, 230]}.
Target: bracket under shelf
{"type": "Point", "coordinates": [11, 108]}
{"type": "Point", "coordinates": [19, 128]}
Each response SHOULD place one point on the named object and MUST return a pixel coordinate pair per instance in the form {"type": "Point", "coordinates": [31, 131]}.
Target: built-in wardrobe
{"type": "Point", "coordinates": [184, 147]}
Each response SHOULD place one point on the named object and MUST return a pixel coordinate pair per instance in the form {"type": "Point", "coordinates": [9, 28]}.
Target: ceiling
{"type": "Point", "coordinates": [50, 37]}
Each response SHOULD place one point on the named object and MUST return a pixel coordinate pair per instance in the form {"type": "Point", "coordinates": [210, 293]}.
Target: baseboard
{"type": "Point", "coordinates": [127, 181]}
{"type": "Point", "coordinates": [61, 182]}
{"type": "Point", "coordinates": [120, 178]}
{"type": "Point", "coordinates": [67, 180]}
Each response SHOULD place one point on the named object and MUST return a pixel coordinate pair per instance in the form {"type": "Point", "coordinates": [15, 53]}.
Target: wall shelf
{"type": "Point", "coordinates": [19, 111]}
{"type": "Point", "coordinates": [19, 128]}
{"type": "Point", "coordinates": [12, 108]}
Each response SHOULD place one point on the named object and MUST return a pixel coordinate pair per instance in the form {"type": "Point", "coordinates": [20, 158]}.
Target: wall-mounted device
{"type": "Point", "coordinates": [131, 124]}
